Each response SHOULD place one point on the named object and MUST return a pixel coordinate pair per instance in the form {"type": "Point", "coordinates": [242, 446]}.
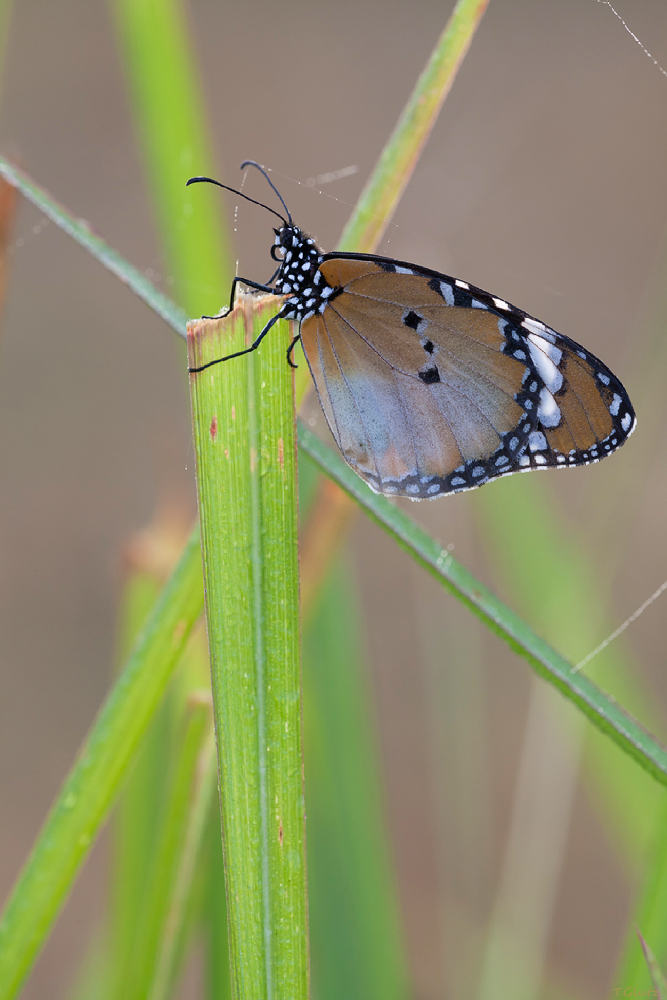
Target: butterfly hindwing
{"type": "Point", "coordinates": [432, 386]}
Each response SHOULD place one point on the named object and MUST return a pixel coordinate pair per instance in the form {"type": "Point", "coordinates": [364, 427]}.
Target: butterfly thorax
{"type": "Point", "coordinates": [300, 276]}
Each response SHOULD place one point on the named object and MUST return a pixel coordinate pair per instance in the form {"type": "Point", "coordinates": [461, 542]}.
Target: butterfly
{"type": "Point", "coordinates": [430, 385]}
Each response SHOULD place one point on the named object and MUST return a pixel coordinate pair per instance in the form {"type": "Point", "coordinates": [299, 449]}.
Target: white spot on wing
{"type": "Point", "coordinates": [533, 325]}
{"type": "Point", "coordinates": [545, 358]}
{"type": "Point", "coordinates": [462, 284]}
{"type": "Point", "coordinates": [615, 403]}
{"type": "Point", "coordinates": [404, 270]}
{"type": "Point", "coordinates": [548, 412]}
{"type": "Point", "coordinates": [500, 304]}
{"type": "Point", "coordinates": [626, 421]}
{"type": "Point", "coordinates": [537, 441]}
{"type": "Point", "coordinates": [447, 293]}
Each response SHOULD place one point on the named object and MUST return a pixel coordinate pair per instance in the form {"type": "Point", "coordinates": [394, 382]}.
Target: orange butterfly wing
{"type": "Point", "coordinates": [432, 386]}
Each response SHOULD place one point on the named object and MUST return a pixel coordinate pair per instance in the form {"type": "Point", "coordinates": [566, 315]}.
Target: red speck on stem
{"type": "Point", "coordinates": [281, 453]}
{"type": "Point", "coordinates": [213, 429]}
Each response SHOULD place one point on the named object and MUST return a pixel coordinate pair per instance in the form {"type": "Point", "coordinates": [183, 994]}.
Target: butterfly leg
{"type": "Point", "coordinates": [238, 354]}
{"type": "Point", "coordinates": [232, 297]}
{"type": "Point", "coordinates": [291, 348]}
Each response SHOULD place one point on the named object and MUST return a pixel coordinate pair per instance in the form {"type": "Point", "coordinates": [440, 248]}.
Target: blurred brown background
{"type": "Point", "coordinates": [543, 182]}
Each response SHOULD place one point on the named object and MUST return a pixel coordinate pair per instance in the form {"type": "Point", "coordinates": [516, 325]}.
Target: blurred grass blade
{"type": "Point", "coordinates": [81, 232]}
{"type": "Point", "coordinates": [568, 604]}
{"type": "Point", "coordinates": [217, 972]}
{"type": "Point", "coordinates": [657, 977]}
{"type": "Point", "coordinates": [245, 445]}
{"type": "Point", "coordinates": [603, 711]}
{"type": "Point", "coordinates": [8, 198]}
{"type": "Point", "coordinates": [168, 107]}
{"type": "Point", "coordinates": [179, 905]}
{"type": "Point", "coordinates": [135, 821]}
{"type": "Point", "coordinates": [90, 788]}
{"type": "Point", "coordinates": [399, 157]}
{"type": "Point", "coordinates": [357, 948]}
{"type": "Point", "coordinates": [163, 903]}
{"type": "Point", "coordinates": [149, 555]}
{"type": "Point", "coordinates": [650, 913]}
{"type": "Point", "coordinates": [513, 965]}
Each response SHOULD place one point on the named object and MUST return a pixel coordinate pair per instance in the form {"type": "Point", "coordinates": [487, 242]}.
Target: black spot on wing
{"type": "Point", "coordinates": [429, 375]}
{"type": "Point", "coordinates": [428, 347]}
{"type": "Point", "coordinates": [412, 320]}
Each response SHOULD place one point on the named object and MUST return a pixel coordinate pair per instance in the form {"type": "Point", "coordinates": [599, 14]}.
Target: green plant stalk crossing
{"type": "Point", "coordinates": [399, 157]}
{"type": "Point", "coordinates": [90, 788]}
{"type": "Point", "coordinates": [245, 445]}
{"type": "Point", "coordinates": [599, 707]}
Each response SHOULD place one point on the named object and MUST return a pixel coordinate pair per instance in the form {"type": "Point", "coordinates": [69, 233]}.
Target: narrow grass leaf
{"type": "Point", "coordinates": [657, 977]}
{"type": "Point", "coordinates": [217, 972]}
{"type": "Point", "coordinates": [602, 710]}
{"type": "Point", "coordinates": [166, 97]}
{"type": "Point", "coordinates": [177, 910]}
{"type": "Point", "coordinates": [394, 169]}
{"type": "Point", "coordinates": [154, 955]}
{"type": "Point", "coordinates": [89, 790]}
{"type": "Point", "coordinates": [649, 913]}
{"type": "Point", "coordinates": [82, 234]}
{"type": "Point", "coordinates": [357, 946]}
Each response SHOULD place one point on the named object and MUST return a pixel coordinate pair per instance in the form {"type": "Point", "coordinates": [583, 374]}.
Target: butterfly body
{"type": "Point", "coordinates": [430, 385]}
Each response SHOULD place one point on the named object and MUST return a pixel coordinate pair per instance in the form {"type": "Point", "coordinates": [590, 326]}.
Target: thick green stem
{"type": "Point", "coordinates": [245, 443]}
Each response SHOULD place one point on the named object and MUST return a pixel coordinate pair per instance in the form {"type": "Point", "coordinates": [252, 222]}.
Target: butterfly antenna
{"type": "Point", "coordinates": [251, 163]}
{"type": "Point", "coordinates": [210, 180]}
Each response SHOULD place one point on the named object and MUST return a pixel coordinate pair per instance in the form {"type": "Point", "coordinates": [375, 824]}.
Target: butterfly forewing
{"type": "Point", "coordinates": [432, 386]}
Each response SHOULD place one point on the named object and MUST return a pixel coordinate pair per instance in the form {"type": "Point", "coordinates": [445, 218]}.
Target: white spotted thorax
{"type": "Point", "coordinates": [299, 275]}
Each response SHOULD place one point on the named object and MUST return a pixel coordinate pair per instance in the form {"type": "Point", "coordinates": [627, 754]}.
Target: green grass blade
{"type": "Point", "coordinates": [383, 191]}
{"type": "Point", "coordinates": [82, 234]}
{"type": "Point", "coordinates": [162, 907]}
{"type": "Point", "coordinates": [135, 821]}
{"type": "Point", "coordinates": [245, 444]}
{"type": "Point", "coordinates": [218, 983]}
{"type": "Point", "coordinates": [649, 913]}
{"type": "Point", "coordinates": [568, 604]}
{"type": "Point", "coordinates": [168, 107]}
{"type": "Point", "coordinates": [657, 978]}
{"type": "Point", "coordinates": [600, 709]}
{"type": "Point", "coordinates": [90, 788]}
{"type": "Point", "coordinates": [357, 948]}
